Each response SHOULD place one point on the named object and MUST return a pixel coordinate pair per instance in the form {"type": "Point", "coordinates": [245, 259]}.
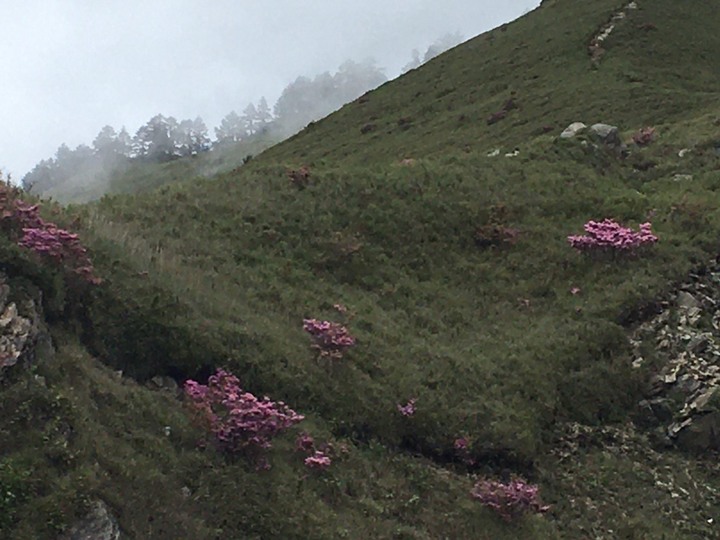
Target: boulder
{"type": "Point", "coordinates": [607, 134]}
{"type": "Point", "coordinates": [572, 130]}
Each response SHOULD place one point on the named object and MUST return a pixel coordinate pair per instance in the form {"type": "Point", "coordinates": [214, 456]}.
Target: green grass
{"type": "Point", "coordinates": [491, 342]}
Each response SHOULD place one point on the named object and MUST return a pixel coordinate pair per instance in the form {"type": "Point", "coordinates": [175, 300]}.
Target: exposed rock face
{"type": "Point", "coordinates": [99, 524]}
{"type": "Point", "coordinates": [683, 401]}
{"type": "Point", "coordinates": [21, 329]}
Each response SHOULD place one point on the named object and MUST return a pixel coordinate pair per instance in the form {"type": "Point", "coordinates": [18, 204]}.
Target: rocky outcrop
{"type": "Point", "coordinates": [682, 403]}
{"type": "Point", "coordinates": [98, 524]}
{"type": "Point", "coordinates": [22, 329]}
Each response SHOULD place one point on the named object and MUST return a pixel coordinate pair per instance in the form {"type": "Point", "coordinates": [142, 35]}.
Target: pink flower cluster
{"type": "Point", "coordinates": [609, 235]}
{"type": "Point", "coordinates": [49, 240]}
{"type": "Point", "coordinates": [317, 458]}
{"type": "Point", "coordinates": [408, 409]}
{"type": "Point", "coordinates": [510, 500]}
{"type": "Point", "coordinates": [330, 338]}
{"type": "Point", "coordinates": [318, 461]}
{"type": "Point", "coordinates": [238, 419]}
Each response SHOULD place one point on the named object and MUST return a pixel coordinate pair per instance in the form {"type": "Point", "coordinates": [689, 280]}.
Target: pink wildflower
{"type": "Point", "coordinates": [237, 418]}
{"type": "Point", "coordinates": [510, 500]}
{"type": "Point", "coordinates": [331, 338]}
{"type": "Point", "coordinates": [318, 461]}
{"type": "Point", "coordinates": [609, 235]}
{"type": "Point", "coordinates": [408, 409]}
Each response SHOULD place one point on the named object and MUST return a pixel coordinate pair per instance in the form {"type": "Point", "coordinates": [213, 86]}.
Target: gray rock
{"type": "Point", "coordinates": [700, 403]}
{"type": "Point", "coordinates": [687, 384]}
{"type": "Point", "coordinates": [661, 409]}
{"type": "Point", "coordinates": [608, 134]}
{"type": "Point", "coordinates": [572, 130]}
{"type": "Point", "coordinates": [99, 524]}
{"type": "Point", "coordinates": [682, 177]}
{"type": "Point", "coordinates": [698, 344]}
{"type": "Point", "coordinates": [685, 300]}
{"type": "Point", "coordinates": [702, 434]}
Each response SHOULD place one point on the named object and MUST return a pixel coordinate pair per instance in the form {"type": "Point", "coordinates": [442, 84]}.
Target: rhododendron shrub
{"type": "Point", "coordinates": [510, 500]}
{"type": "Point", "coordinates": [45, 238]}
{"type": "Point", "coordinates": [238, 419]}
{"type": "Point", "coordinates": [330, 338]}
{"type": "Point", "coordinates": [318, 461]}
{"type": "Point", "coordinates": [608, 235]}
{"type": "Point", "coordinates": [317, 456]}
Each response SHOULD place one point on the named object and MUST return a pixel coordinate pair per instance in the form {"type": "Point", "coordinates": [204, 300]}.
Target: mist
{"type": "Point", "coordinates": [72, 68]}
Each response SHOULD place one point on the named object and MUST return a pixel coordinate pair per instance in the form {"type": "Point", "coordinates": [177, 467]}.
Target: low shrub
{"type": "Point", "coordinates": [609, 235]}
{"type": "Point", "coordinates": [238, 419]}
{"type": "Point", "coordinates": [331, 339]}
{"type": "Point", "coordinates": [510, 500]}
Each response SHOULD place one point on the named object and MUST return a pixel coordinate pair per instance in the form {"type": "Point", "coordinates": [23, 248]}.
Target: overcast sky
{"type": "Point", "coordinates": [69, 67]}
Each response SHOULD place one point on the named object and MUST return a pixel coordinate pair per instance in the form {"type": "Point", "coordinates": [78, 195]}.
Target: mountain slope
{"type": "Point", "coordinates": [461, 288]}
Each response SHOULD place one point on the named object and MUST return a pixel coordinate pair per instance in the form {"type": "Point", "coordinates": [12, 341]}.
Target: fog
{"type": "Point", "coordinates": [72, 67]}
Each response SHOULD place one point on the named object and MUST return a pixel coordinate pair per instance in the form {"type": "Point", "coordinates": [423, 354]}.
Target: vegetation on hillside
{"type": "Point", "coordinates": [422, 233]}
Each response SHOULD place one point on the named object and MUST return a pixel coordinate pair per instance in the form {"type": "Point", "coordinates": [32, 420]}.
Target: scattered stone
{"type": "Point", "coordinates": [514, 153]}
{"type": "Point", "coordinates": [99, 524]}
{"type": "Point", "coordinates": [632, 5]}
{"type": "Point", "coordinates": [683, 177]}
{"type": "Point", "coordinates": [572, 130]}
{"type": "Point", "coordinates": [683, 152]}
{"type": "Point", "coordinates": [494, 153]}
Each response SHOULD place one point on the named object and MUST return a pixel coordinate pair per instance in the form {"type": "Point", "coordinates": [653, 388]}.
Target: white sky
{"type": "Point", "coordinates": [69, 67]}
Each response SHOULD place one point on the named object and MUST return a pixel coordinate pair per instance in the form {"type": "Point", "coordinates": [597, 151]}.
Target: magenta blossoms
{"type": "Point", "coordinates": [332, 339]}
{"type": "Point", "coordinates": [510, 500]}
{"type": "Point", "coordinates": [318, 461]}
{"type": "Point", "coordinates": [237, 418]}
{"type": "Point", "coordinates": [51, 241]}
{"type": "Point", "coordinates": [609, 235]}
{"type": "Point", "coordinates": [408, 409]}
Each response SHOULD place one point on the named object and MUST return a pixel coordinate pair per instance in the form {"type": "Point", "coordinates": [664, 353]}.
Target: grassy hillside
{"type": "Point", "coordinates": [461, 290]}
